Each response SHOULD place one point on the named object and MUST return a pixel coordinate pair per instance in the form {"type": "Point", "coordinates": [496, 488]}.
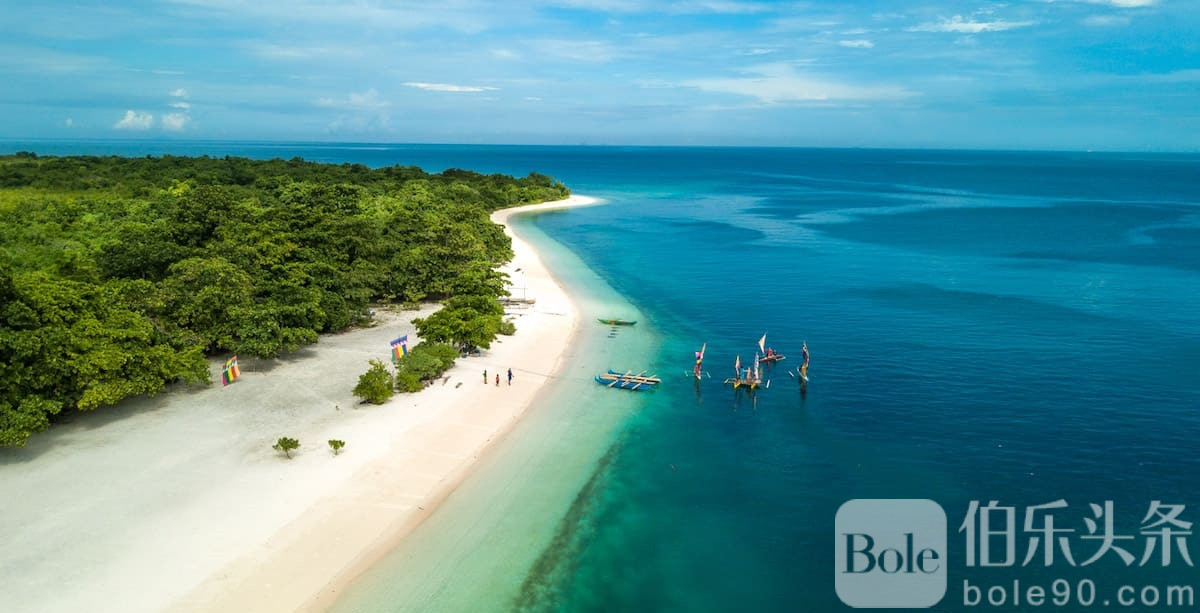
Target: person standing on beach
{"type": "Point", "coordinates": [485, 376]}
{"type": "Point", "coordinates": [497, 379]}
{"type": "Point", "coordinates": [510, 376]}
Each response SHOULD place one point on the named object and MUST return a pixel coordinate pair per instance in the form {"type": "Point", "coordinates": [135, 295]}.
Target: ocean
{"type": "Point", "coordinates": [1018, 327]}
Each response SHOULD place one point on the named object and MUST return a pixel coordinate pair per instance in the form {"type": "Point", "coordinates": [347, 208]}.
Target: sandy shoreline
{"type": "Point", "coordinates": [184, 507]}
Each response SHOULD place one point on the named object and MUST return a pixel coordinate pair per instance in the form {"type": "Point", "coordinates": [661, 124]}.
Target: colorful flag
{"type": "Point", "coordinates": [699, 360]}
{"type": "Point", "coordinates": [230, 372]}
{"type": "Point", "coordinates": [400, 347]}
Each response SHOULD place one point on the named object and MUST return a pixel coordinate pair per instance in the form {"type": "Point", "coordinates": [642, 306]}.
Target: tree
{"type": "Point", "coordinates": [376, 385]}
{"type": "Point", "coordinates": [468, 321]}
{"type": "Point", "coordinates": [408, 382]}
{"type": "Point", "coordinates": [118, 275]}
{"type": "Point", "coordinates": [336, 445]}
{"type": "Point", "coordinates": [286, 445]}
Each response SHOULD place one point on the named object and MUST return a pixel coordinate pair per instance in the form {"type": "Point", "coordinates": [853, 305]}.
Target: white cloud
{"type": "Point", "coordinates": [134, 120]}
{"type": "Point", "coordinates": [449, 87]}
{"type": "Point", "coordinates": [756, 51]}
{"type": "Point", "coordinates": [292, 52]}
{"type": "Point", "coordinates": [1105, 20]}
{"type": "Point", "coordinates": [969, 26]}
{"type": "Point", "coordinates": [69, 122]}
{"type": "Point", "coordinates": [722, 7]}
{"type": "Point", "coordinates": [678, 7]}
{"type": "Point", "coordinates": [179, 93]}
{"type": "Point", "coordinates": [505, 54]}
{"type": "Point", "coordinates": [857, 44]}
{"type": "Point", "coordinates": [575, 50]}
{"type": "Point", "coordinates": [1126, 4]}
{"type": "Point", "coordinates": [780, 83]}
{"type": "Point", "coordinates": [469, 16]}
{"type": "Point", "coordinates": [366, 101]}
{"type": "Point", "coordinates": [175, 121]}
{"type": "Point", "coordinates": [180, 105]}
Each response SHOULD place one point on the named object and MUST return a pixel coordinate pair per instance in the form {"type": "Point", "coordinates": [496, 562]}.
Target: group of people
{"type": "Point", "coordinates": [510, 377]}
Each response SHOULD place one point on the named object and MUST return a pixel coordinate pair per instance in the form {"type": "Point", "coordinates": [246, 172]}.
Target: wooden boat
{"type": "Point", "coordinates": [750, 379]}
{"type": "Point", "coordinates": [741, 382]}
{"type": "Point", "coordinates": [628, 381]}
{"type": "Point", "coordinates": [768, 357]}
{"type": "Point", "coordinates": [618, 322]}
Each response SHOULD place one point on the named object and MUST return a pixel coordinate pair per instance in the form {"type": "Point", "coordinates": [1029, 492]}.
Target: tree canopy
{"type": "Point", "coordinates": [119, 275]}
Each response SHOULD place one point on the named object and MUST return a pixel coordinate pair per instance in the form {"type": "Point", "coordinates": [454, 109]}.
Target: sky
{"type": "Point", "coordinates": [1024, 74]}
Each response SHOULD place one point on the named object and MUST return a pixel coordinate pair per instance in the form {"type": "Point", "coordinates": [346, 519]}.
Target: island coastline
{"type": "Point", "coordinates": [305, 565]}
{"type": "Point", "coordinates": [236, 526]}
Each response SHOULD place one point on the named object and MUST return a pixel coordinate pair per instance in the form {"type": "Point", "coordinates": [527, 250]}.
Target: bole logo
{"type": "Point", "coordinates": [890, 553]}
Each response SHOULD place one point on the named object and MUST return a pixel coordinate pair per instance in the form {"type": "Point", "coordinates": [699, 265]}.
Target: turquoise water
{"type": "Point", "coordinates": [1019, 327]}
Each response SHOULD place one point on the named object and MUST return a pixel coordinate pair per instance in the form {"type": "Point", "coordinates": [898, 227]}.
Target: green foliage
{"type": "Point", "coordinates": [336, 445]}
{"type": "Point", "coordinates": [428, 360]}
{"type": "Point", "coordinates": [507, 328]}
{"type": "Point", "coordinates": [408, 382]}
{"type": "Point", "coordinates": [286, 445]}
{"type": "Point", "coordinates": [118, 275]}
{"type": "Point", "coordinates": [376, 385]}
{"type": "Point", "coordinates": [466, 321]}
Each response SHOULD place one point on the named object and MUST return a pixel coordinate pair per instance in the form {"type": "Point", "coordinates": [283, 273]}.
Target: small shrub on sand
{"type": "Point", "coordinates": [375, 385]}
{"type": "Point", "coordinates": [286, 445]}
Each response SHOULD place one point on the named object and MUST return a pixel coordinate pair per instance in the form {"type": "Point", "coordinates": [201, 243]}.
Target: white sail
{"type": "Point", "coordinates": [762, 344]}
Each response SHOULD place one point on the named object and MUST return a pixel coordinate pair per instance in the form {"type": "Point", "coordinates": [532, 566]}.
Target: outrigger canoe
{"type": "Point", "coordinates": [742, 382]}
{"type": "Point", "coordinates": [618, 322]}
{"type": "Point", "coordinates": [774, 357]}
{"type": "Point", "coordinates": [627, 381]}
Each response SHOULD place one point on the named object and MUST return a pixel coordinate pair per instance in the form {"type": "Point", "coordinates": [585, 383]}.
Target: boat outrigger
{"type": "Point", "coordinates": [628, 380]}
{"type": "Point", "coordinates": [618, 322]}
{"type": "Point", "coordinates": [750, 379]}
{"type": "Point", "coordinates": [769, 356]}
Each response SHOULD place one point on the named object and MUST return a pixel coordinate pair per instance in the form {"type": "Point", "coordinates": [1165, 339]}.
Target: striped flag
{"type": "Point", "coordinates": [400, 347]}
{"type": "Point", "coordinates": [230, 372]}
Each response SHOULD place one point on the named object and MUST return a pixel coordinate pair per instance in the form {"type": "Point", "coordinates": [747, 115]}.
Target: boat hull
{"type": "Point", "coordinates": [627, 381]}
{"type": "Point", "coordinates": [618, 322]}
{"type": "Point", "coordinates": [633, 386]}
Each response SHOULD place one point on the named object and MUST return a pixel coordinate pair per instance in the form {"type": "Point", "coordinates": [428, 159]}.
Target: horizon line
{"type": "Point", "coordinates": [334, 143]}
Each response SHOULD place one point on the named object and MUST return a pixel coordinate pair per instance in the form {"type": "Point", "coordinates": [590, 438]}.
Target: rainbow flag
{"type": "Point", "coordinates": [231, 372]}
{"type": "Point", "coordinates": [400, 347]}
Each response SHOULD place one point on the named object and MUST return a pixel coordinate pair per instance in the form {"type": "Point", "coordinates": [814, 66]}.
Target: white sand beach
{"type": "Point", "coordinates": [178, 502]}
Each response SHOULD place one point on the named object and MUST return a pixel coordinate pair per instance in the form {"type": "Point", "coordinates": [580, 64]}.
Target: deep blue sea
{"type": "Point", "coordinates": [984, 326]}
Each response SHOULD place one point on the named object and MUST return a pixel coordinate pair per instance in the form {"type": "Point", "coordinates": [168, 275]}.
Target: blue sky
{"type": "Point", "coordinates": [1038, 74]}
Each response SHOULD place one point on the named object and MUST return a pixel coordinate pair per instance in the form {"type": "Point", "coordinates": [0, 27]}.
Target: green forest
{"type": "Point", "coordinates": [120, 275]}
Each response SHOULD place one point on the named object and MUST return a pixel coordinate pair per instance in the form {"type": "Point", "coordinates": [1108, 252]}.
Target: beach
{"type": "Point", "coordinates": [177, 502]}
